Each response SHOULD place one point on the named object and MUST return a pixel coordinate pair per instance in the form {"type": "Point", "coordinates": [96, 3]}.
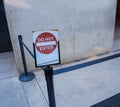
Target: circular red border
{"type": "Point", "coordinates": [46, 37]}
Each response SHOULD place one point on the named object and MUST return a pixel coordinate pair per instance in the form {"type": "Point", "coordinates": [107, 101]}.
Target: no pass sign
{"type": "Point", "coordinates": [46, 48]}
{"type": "Point", "coordinates": [46, 43]}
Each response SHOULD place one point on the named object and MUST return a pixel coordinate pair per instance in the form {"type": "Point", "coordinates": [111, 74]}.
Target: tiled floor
{"type": "Point", "coordinates": [78, 88]}
{"type": "Point", "coordinates": [14, 93]}
{"type": "Point", "coordinates": [7, 65]}
{"type": "Point", "coordinates": [86, 86]}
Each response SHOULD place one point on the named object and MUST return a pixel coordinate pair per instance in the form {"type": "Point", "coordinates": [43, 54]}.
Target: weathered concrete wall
{"type": "Point", "coordinates": [85, 27]}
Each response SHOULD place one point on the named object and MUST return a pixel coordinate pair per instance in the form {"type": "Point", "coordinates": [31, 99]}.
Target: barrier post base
{"type": "Point", "coordinates": [25, 78]}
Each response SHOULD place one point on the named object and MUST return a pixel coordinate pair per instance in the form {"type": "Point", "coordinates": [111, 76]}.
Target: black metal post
{"type": "Point", "coordinates": [23, 55]}
{"type": "Point", "coordinates": [50, 86]}
{"type": "Point", "coordinates": [26, 76]}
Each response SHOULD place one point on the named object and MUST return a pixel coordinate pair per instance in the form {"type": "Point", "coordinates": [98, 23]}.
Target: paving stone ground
{"type": "Point", "coordinates": [79, 88]}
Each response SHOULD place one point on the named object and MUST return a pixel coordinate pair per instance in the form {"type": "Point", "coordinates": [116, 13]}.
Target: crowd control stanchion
{"type": "Point", "coordinates": [26, 76]}
{"type": "Point", "coordinates": [50, 87]}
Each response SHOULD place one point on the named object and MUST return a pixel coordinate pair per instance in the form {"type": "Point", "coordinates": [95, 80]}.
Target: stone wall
{"type": "Point", "coordinates": [86, 28]}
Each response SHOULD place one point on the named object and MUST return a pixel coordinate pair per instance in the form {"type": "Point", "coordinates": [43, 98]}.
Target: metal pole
{"type": "Point", "coordinates": [23, 55]}
{"type": "Point", "coordinates": [26, 76]}
{"type": "Point", "coordinates": [50, 86]}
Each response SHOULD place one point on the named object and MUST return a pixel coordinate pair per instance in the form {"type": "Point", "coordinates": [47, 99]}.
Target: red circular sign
{"type": "Point", "coordinates": [46, 43]}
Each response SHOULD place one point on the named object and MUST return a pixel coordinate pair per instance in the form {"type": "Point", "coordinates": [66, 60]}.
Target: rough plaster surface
{"type": "Point", "coordinates": [86, 27]}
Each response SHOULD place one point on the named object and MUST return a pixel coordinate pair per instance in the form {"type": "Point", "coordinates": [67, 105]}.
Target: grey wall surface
{"type": "Point", "coordinates": [86, 28]}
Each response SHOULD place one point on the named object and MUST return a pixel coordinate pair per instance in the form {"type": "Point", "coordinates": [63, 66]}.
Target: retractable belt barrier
{"type": "Point", "coordinates": [28, 76]}
{"type": "Point", "coordinates": [48, 71]}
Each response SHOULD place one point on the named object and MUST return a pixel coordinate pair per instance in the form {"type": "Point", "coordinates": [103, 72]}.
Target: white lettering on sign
{"type": "Point", "coordinates": [45, 39]}
{"type": "Point", "coordinates": [46, 48]}
{"type": "Point", "coordinates": [49, 39]}
{"type": "Point", "coordinates": [41, 39]}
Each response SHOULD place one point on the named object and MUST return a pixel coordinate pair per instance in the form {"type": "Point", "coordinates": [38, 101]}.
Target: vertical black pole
{"type": "Point", "coordinates": [26, 76]}
{"type": "Point", "coordinates": [23, 55]}
{"type": "Point", "coordinates": [50, 86]}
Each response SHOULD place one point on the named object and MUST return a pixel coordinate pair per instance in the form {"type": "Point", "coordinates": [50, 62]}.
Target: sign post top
{"type": "Point", "coordinates": [46, 47]}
